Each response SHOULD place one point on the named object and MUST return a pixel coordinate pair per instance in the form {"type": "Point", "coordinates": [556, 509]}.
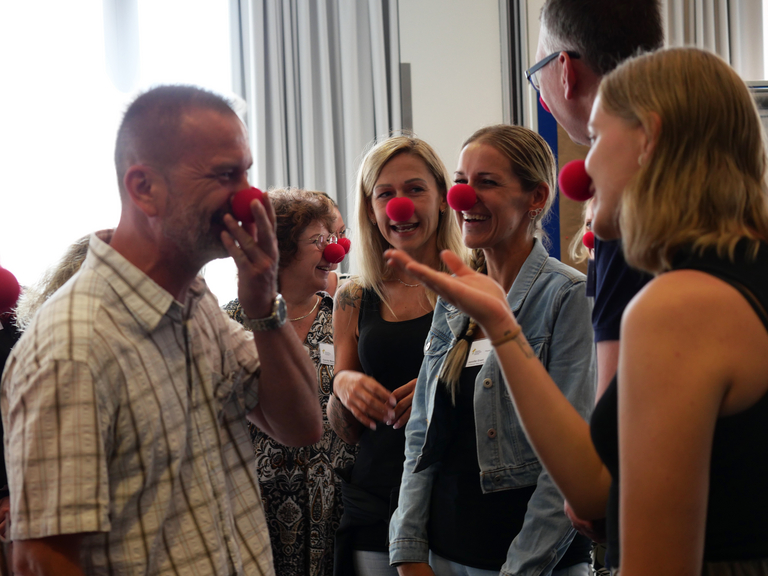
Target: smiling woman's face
{"type": "Point", "coordinates": [407, 175]}
{"type": "Point", "coordinates": [613, 159]}
{"type": "Point", "coordinates": [309, 268]}
{"type": "Point", "coordinates": [501, 214]}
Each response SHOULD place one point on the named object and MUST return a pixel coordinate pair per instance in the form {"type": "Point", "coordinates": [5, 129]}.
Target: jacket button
{"type": "Point", "coordinates": [497, 479]}
{"type": "Point", "coordinates": [428, 344]}
{"type": "Point", "coordinates": [491, 433]}
{"type": "Point", "coordinates": [487, 383]}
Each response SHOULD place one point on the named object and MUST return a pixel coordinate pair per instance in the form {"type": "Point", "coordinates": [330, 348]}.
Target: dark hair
{"type": "Point", "coordinates": [151, 126]}
{"type": "Point", "coordinates": [295, 209]}
{"type": "Point", "coordinates": [603, 32]}
{"type": "Point", "coordinates": [335, 205]}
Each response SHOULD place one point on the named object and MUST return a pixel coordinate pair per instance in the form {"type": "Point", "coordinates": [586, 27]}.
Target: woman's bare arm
{"type": "Point", "coordinates": [692, 350]}
{"type": "Point", "coordinates": [358, 401]}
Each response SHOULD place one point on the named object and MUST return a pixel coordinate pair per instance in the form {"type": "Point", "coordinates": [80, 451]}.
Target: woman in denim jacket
{"type": "Point", "coordinates": [474, 498]}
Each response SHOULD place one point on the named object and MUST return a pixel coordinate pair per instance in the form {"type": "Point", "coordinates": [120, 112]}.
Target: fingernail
{"type": "Point", "coordinates": [396, 426]}
{"type": "Point", "coordinates": [372, 426]}
{"type": "Point", "coordinates": [389, 422]}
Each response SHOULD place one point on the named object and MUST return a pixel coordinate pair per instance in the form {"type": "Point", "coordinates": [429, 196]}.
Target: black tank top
{"type": "Point", "coordinates": [737, 512]}
{"type": "Point", "coordinates": [390, 352]}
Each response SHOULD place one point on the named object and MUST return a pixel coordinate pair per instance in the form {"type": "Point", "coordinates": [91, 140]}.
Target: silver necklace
{"type": "Point", "coordinates": [406, 284]}
{"type": "Point", "coordinates": [308, 313]}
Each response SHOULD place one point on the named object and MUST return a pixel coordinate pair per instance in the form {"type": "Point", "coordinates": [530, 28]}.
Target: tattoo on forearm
{"type": "Point", "coordinates": [524, 346]}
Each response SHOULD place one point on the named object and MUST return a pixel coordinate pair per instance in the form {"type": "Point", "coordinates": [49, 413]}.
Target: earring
{"type": "Point", "coordinates": [534, 213]}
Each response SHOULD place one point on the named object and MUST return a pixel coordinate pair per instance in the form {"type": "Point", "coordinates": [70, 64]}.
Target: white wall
{"type": "Point", "coordinates": [453, 47]}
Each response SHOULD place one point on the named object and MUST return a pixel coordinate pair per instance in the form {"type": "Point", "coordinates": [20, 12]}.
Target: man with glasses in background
{"type": "Point", "coordinates": [580, 41]}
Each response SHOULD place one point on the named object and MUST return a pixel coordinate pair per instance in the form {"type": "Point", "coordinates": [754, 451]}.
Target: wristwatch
{"type": "Point", "coordinates": [272, 322]}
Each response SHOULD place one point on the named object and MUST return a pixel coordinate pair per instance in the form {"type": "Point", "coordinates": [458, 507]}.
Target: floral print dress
{"type": "Point", "coordinates": [299, 487]}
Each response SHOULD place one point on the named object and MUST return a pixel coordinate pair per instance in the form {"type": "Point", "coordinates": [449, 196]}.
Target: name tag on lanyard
{"type": "Point", "coordinates": [326, 354]}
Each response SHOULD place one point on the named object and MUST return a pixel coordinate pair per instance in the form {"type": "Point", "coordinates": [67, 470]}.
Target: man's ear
{"type": "Point", "coordinates": [569, 76]}
{"type": "Point", "coordinates": [146, 189]}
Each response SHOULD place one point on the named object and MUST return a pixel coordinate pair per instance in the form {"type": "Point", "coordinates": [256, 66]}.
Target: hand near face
{"type": "Point", "coordinates": [473, 293]}
{"type": "Point", "coordinates": [253, 247]}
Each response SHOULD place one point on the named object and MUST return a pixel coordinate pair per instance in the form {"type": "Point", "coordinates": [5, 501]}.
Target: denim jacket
{"type": "Point", "coordinates": [548, 299]}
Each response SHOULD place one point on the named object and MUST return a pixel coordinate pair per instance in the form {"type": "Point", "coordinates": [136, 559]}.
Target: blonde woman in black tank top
{"type": "Point", "coordinates": [363, 409]}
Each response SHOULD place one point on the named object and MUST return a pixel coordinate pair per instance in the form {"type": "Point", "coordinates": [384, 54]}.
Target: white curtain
{"type": "Point", "coordinates": [731, 28]}
{"type": "Point", "coordinates": [322, 80]}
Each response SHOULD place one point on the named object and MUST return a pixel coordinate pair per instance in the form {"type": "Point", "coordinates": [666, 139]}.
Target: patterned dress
{"type": "Point", "coordinates": [300, 490]}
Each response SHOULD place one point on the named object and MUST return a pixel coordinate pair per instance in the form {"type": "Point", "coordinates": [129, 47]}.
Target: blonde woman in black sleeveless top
{"type": "Point", "coordinates": [381, 320]}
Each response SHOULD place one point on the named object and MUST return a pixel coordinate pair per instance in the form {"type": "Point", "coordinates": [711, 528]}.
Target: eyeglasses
{"type": "Point", "coordinates": [343, 233]}
{"type": "Point", "coordinates": [322, 240]}
{"type": "Point", "coordinates": [532, 74]}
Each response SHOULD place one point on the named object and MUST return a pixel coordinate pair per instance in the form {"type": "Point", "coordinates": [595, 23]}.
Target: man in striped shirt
{"type": "Point", "coordinates": [125, 400]}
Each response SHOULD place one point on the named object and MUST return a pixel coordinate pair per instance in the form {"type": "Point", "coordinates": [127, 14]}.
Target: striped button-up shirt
{"type": "Point", "coordinates": [124, 415]}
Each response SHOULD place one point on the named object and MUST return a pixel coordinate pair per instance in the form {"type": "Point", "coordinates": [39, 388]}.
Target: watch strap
{"type": "Point", "coordinates": [272, 322]}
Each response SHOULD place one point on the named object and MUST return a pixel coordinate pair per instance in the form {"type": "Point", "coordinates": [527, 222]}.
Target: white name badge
{"type": "Point", "coordinates": [326, 354]}
{"type": "Point", "coordinates": [478, 352]}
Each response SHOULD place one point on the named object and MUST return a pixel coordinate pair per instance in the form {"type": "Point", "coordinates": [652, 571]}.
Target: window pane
{"type": "Point", "coordinates": [61, 107]}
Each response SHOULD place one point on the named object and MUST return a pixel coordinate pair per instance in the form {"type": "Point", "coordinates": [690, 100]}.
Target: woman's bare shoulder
{"type": "Point", "coordinates": [348, 296]}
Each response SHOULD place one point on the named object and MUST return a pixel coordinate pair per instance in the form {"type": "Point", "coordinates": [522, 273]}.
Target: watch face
{"type": "Point", "coordinates": [281, 313]}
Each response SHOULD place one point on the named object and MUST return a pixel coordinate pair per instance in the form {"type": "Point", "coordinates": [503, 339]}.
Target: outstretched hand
{"type": "Point", "coordinates": [473, 293]}
{"type": "Point", "coordinates": [253, 247]}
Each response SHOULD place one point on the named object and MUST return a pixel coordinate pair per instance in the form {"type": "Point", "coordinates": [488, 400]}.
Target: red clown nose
{"type": "Point", "coordinates": [9, 291]}
{"type": "Point", "coordinates": [589, 240]}
{"type": "Point", "coordinates": [334, 253]}
{"type": "Point", "coordinates": [575, 182]}
{"type": "Point", "coordinates": [400, 209]}
{"type": "Point", "coordinates": [345, 243]}
{"type": "Point", "coordinates": [241, 204]}
{"type": "Point", "coordinates": [461, 197]}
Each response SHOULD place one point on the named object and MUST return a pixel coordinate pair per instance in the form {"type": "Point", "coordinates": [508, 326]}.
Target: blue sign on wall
{"type": "Point", "coordinates": [548, 131]}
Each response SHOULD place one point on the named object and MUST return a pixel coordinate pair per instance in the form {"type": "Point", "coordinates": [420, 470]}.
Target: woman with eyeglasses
{"type": "Point", "coordinates": [381, 320]}
{"type": "Point", "coordinates": [339, 230]}
{"type": "Point", "coordinates": [677, 449]}
{"type": "Point", "coordinates": [301, 493]}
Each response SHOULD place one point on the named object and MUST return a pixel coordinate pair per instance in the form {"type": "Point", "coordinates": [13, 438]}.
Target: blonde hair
{"type": "Point", "coordinates": [54, 278]}
{"type": "Point", "coordinates": [531, 161]}
{"type": "Point", "coordinates": [370, 245]}
{"type": "Point", "coordinates": [703, 183]}
{"type": "Point", "coordinates": [578, 252]}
